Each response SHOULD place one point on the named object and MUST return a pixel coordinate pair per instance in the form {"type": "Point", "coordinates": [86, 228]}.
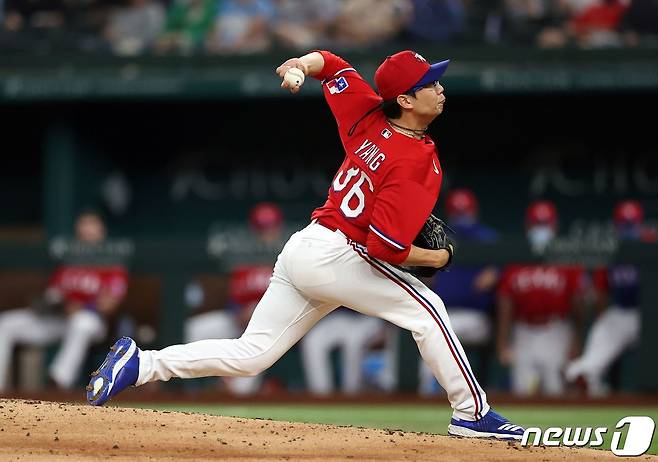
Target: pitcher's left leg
{"type": "Point", "coordinates": [378, 289]}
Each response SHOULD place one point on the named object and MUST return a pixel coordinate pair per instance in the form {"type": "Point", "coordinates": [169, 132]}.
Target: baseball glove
{"type": "Point", "coordinates": [432, 236]}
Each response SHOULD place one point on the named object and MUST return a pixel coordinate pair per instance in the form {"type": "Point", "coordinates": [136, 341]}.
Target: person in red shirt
{"type": "Point", "coordinates": [79, 301]}
{"type": "Point", "coordinates": [384, 190]}
{"type": "Point", "coordinates": [535, 335]}
{"type": "Point", "coordinates": [598, 24]}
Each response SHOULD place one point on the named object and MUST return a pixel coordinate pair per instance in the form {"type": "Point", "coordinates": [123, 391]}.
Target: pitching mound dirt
{"type": "Point", "coordinates": [49, 431]}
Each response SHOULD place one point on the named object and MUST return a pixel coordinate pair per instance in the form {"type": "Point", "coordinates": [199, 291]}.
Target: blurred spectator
{"type": "Point", "coordinates": [354, 335]}
{"type": "Point", "coordinates": [524, 19]}
{"type": "Point", "coordinates": [241, 27]}
{"type": "Point", "coordinates": [437, 20]}
{"type": "Point", "coordinates": [266, 220]}
{"type": "Point", "coordinates": [76, 307]}
{"type": "Point", "coordinates": [304, 24]}
{"type": "Point", "coordinates": [596, 25]}
{"type": "Point", "coordinates": [617, 326]}
{"type": "Point", "coordinates": [188, 23]}
{"type": "Point", "coordinates": [133, 28]}
{"type": "Point", "coordinates": [538, 306]}
{"type": "Point", "coordinates": [468, 292]}
{"type": "Point", "coordinates": [539, 311]}
{"type": "Point", "coordinates": [369, 22]}
{"type": "Point", "coordinates": [44, 25]}
{"type": "Point", "coordinates": [628, 217]}
{"type": "Point", "coordinates": [34, 14]}
{"type": "Point", "coordinates": [247, 285]}
{"type": "Point", "coordinates": [640, 22]}
{"type": "Point", "coordinates": [541, 223]}
{"type": "Point", "coordinates": [462, 212]}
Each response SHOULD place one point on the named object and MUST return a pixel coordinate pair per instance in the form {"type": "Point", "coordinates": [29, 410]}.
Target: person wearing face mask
{"type": "Point", "coordinates": [541, 224]}
{"type": "Point", "coordinates": [538, 308]}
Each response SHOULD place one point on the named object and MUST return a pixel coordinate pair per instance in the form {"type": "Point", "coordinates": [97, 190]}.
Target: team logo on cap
{"type": "Point", "coordinates": [419, 57]}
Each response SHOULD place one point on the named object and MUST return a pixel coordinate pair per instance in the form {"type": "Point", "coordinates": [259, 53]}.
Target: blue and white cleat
{"type": "Point", "coordinates": [119, 371]}
{"type": "Point", "coordinates": [492, 425]}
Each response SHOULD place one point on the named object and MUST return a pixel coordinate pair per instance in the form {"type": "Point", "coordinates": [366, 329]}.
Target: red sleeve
{"type": "Point", "coordinates": [332, 65]}
{"type": "Point", "coordinates": [581, 280]}
{"type": "Point", "coordinates": [575, 281]}
{"type": "Point", "coordinates": [504, 288]}
{"type": "Point", "coordinates": [116, 284]}
{"type": "Point", "coordinates": [55, 280]}
{"type": "Point", "coordinates": [399, 212]}
{"type": "Point", "coordinates": [600, 279]}
{"type": "Point", "coordinates": [377, 248]}
{"type": "Point", "coordinates": [348, 95]}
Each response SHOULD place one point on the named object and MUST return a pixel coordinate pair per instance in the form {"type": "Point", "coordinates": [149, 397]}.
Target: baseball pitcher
{"type": "Point", "coordinates": [358, 251]}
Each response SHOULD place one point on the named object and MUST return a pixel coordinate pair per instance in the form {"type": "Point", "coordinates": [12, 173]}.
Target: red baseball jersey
{"type": "Point", "coordinates": [388, 183]}
{"type": "Point", "coordinates": [541, 292]}
{"type": "Point", "coordinates": [83, 284]}
{"type": "Point", "coordinates": [248, 283]}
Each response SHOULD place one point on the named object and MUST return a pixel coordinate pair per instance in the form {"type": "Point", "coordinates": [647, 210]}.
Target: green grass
{"type": "Point", "coordinates": [424, 418]}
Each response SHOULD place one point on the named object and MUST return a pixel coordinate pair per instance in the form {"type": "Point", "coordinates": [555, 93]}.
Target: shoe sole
{"type": "Point", "coordinates": [102, 379]}
{"type": "Point", "coordinates": [455, 430]}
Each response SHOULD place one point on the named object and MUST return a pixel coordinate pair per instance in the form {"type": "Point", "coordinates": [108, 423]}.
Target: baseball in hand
{"type": "Point", "coordinates": [294, 77]}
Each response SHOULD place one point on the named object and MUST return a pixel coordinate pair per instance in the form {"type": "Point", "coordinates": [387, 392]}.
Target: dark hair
{"type": "Point", "coordinates": [392, 109]}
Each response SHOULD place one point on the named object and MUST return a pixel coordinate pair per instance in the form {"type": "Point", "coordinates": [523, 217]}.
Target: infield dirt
{"type": "Point", "coordinates": [51, 431]}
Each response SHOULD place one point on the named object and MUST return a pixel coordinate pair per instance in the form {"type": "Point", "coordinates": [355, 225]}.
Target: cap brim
{"type": "Point", "coordinates": [435, 72]}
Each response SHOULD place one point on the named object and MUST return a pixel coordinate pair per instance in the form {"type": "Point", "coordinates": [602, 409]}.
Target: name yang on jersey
{"type": "Point", "coordinates": [371, 154]}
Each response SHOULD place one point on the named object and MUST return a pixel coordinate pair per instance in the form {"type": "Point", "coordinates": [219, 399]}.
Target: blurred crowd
{"type": "Point", "coordinates": [134, 27]}
{"type": "Point", "coordinates": [549, 328]}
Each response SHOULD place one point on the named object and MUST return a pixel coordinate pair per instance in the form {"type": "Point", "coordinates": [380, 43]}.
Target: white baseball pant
{"type": "Point", "coordinates": [614, 331]}
{"type": "Point", "coordinates": [77, 332]}
{"type": "Point", "coordinates": [471, 326]}
{"type": "Point", "coordinates": [540, 354]}
{"type": "Point", "coordinates": [317, 271]}
{"type": "Point", "coordinates": [219, 325]}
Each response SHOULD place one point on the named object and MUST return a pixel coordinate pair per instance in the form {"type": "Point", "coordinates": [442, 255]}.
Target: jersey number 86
{"type": "Point", "coordinates": [355, 191]}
